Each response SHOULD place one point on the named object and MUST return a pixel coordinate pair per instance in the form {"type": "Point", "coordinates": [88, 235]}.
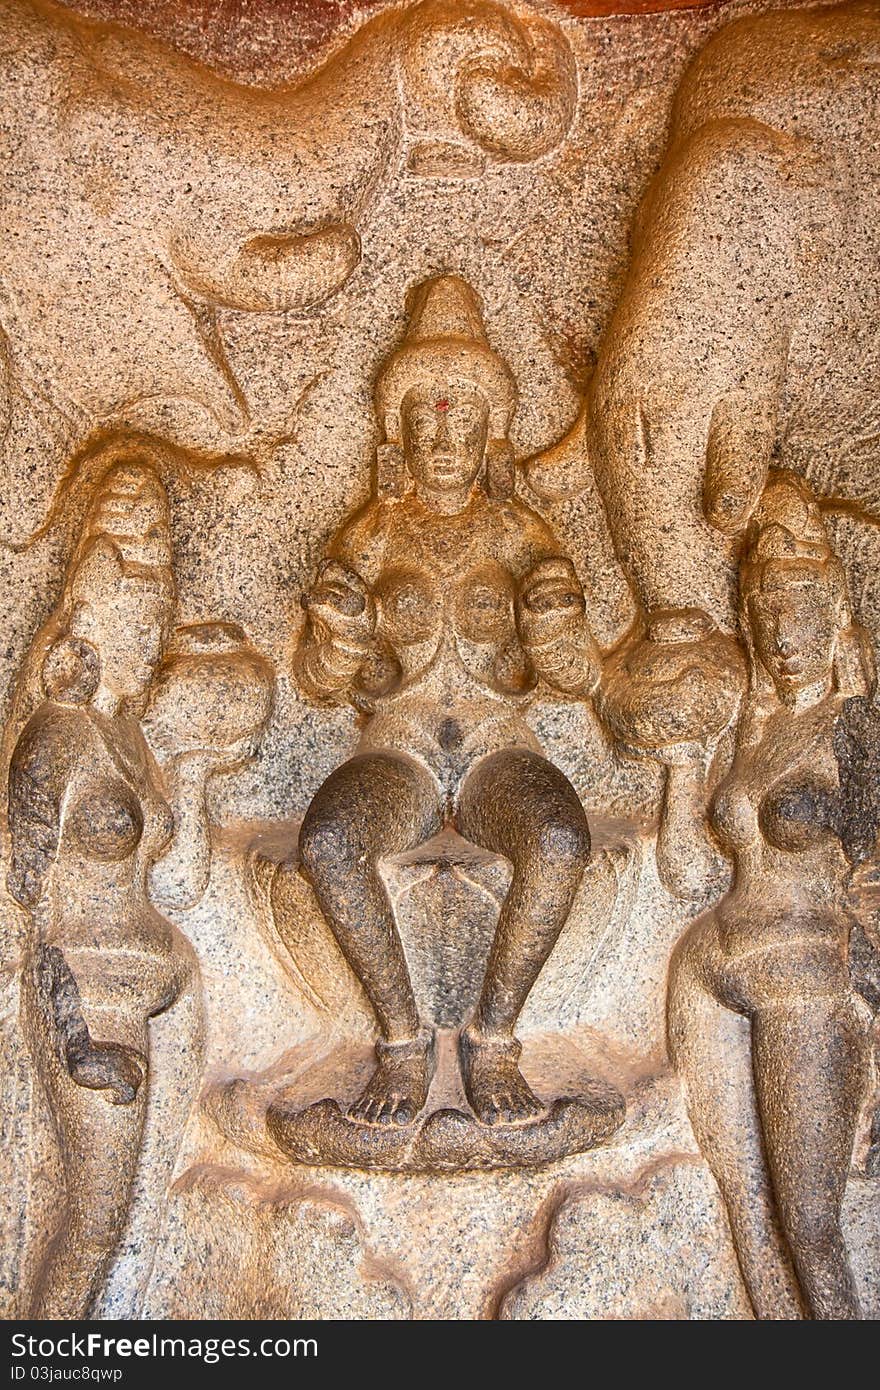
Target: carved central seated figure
{"type": "Point", "coordinates": [440, 608]}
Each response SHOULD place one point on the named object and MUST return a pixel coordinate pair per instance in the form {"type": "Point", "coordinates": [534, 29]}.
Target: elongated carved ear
{"type": "Point", "coordinates": [855, 666]}
{"type": "Point", "coordinates": [390, 470]}
{"type": "Point", "coordinates": [500, 468]}
{"type": "Point", "coordinates": [71, 670]}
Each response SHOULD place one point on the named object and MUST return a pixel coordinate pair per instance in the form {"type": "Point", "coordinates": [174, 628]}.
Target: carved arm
{"type": "Point", "coordinates": [39, 772]}
{"type": "Point", "coordinates": [670, 692]}
{"type": "Point", "coordinates": [689, 862]}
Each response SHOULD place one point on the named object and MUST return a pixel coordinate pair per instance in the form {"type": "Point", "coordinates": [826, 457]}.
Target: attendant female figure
{"type": "Point", "coordinates": [764, 1023]}
{"type": "Point", "coordinates": [87, 818]}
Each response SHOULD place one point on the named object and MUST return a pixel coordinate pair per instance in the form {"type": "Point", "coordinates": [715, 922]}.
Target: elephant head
{"type": "Point", "coordinates": [746, 334]}
{"type": "Point", "coordinates": [477, 83]}
{"type": "Point", "coordinates": [145, 195]}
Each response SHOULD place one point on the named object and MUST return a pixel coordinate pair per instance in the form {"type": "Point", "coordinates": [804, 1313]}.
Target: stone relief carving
{"type": "Point", "coordinates": [383, 853]}
{"type": "Point", "coordinates": [719, 343]}
{"type": "Point", "coordinates": [775, 1113]}
{"type": "Point", "coordinates": [184, 196]}
{"type": "Point", "coordinates": [712, 357]}
{"type": "Point", "coordinates": [88, 820]}
{"type": "Point", "coordinates": [440, 607]}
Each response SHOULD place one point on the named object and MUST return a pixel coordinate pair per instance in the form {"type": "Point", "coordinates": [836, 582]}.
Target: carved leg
{"type": "Point", "coordinates": [709, 1045]}
{"type": "Point", "coordinates": [176, 1062]}
{"type": "Point", "coordinates": [811, 1072]}
{"type": "Point", "coordinates": [519, 805]}
{"type": "Point", "coordinates": [99, 1121]}
{"type": "Point", "coordinates": [374, 806]}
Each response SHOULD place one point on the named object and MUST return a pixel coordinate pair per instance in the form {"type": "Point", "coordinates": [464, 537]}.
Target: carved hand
{"type": "Point", "coordinates": [552, 626]}
{"type": "Point", "coordinates": [551, 601]}
{"type": "Point", "coordinates": [341, 608]}
{"type": "Point", "coordinates": [116, 1070]}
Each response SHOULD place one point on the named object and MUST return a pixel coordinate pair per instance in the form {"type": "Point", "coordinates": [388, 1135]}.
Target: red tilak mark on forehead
{"type": "Point", "coordinates": [442, 405]}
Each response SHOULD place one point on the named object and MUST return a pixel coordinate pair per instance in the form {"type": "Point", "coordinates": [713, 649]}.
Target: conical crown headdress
{"type": "Point", "coordinates": [129, 510]}
{"type": "Point", "coordinates": [787, 531]}
{"type": "Point", "coordinates": [446, 339]}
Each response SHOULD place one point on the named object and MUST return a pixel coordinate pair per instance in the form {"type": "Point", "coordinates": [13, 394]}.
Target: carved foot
{"type": "Point", "coordinates": [398, 1089]}
{"type": "Point", "coordinates": [495, 1086]}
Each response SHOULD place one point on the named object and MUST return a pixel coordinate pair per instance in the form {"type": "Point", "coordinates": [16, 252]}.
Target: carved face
{"type": "Point", "coordinates": [795, 625]}
{"type": "Point", "coordinates": [445, 429]}
{"type": "Point", "coordinates": [125, 617]}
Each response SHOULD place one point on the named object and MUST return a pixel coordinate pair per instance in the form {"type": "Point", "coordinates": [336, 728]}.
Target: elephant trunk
{"type": "Point", "coordinates": [518, 113]}
{"type": "Point", "coordinates": [293, 270]}
{"type": "Point", "coordinates": [481, 80]}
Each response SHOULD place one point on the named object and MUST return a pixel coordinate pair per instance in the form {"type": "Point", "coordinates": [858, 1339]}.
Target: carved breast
{"type": "Point", "coordinates": [117, 808]}
{"type": "Point", "coordinates": [789, 807]}
{"type": "Point", "coordinates": [796, 814]}
{"type": "Point", "coordinates": [734, 814]}
{"type": "Point", "coordinates": [411, 608]}
{"type": "Point", "coordinates": [125, 747]}
{"type": "Point", "coordinates": [105, 822]}
{"type": "Point", "coordinates": [483, 605]}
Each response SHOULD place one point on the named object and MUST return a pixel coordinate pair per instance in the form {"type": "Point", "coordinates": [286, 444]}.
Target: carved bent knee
{"type": "Point", "coordinates": [519, 805]}
{"type": "Point", "coordinates": [374, 805]}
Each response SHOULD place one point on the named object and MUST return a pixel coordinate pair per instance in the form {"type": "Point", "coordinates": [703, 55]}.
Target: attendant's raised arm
{"type": "Point", "coordinates": [39, 773]}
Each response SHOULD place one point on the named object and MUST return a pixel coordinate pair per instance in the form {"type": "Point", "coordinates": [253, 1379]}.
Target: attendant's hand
{"type": "Point", "coordinates": [116, 1070]}
{"type": "Point", "coordinates": [341, 608]}
{"type": "Point", "coordinates": [551, 600]}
